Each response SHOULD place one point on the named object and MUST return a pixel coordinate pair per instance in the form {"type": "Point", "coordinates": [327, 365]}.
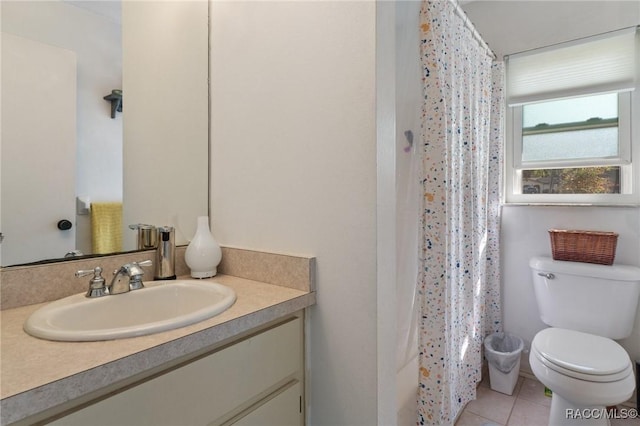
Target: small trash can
{"type": "Point", "coordinates": [502, 351]}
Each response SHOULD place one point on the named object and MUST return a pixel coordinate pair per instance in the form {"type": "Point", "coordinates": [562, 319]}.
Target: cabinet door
{"type": "Point", "coordinates": [210, 390]}
{"type": "Point", "coordinates": [283, 410]}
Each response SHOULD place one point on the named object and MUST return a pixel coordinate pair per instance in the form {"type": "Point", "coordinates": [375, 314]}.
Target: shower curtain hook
{"type": "Point", "coordinates": [409, 135]}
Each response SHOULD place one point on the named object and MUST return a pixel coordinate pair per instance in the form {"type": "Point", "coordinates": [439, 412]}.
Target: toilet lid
{"type": "Point", "coordinates": [580, 353]}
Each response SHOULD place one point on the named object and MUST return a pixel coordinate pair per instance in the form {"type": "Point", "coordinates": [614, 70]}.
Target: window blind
{"type": "Point", "coordinates": [598, 64]}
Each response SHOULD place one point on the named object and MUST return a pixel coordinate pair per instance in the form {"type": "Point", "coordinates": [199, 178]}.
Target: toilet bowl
{"type": "Point", "coordinates": [586, 373]}
{"type": "Point", "coordinates": [586, 307]}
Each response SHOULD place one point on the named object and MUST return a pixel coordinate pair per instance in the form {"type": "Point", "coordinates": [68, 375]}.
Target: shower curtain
{"type": "Point", "coordinates": [459, 282]}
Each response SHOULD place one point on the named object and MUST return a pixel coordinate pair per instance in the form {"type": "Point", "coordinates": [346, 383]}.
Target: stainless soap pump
{"type": "Point", "coordinates": [165, 254]}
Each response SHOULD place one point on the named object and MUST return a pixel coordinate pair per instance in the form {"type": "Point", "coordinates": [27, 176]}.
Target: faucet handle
{"type": "Point", "coordinates": [136, 273]}
{"type": "Point", "coordinates": [97, 286]}
{"type": "Point", "coordinates": [85, 272]}
{"type": "Point", "coordinates": [133, 268]}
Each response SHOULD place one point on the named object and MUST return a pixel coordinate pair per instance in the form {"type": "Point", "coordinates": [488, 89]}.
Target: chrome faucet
{"type": "Point", "coordinates": [128, 277]}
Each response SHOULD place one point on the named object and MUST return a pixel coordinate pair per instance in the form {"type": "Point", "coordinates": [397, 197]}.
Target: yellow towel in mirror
{"type": "Point", "coordinates": [106, 227]}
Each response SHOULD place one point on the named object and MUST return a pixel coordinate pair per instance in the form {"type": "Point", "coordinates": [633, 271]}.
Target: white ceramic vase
{"type": "Point", "coordinates": [203, 253]}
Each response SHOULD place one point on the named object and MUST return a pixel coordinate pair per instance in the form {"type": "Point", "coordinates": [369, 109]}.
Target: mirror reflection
{"type": "Point", "coordinates": [63, 119]}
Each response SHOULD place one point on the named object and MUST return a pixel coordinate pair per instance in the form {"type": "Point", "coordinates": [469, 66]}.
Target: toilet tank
{"type": "Point", "coordinates": [596, 299]}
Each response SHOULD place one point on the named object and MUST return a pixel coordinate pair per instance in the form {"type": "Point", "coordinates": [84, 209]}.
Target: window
{"type": "Point", "coordinates": [570, 129]}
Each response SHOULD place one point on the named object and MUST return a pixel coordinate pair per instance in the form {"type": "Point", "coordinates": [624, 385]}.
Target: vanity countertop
{"type": "Point", "coordinates": [38, 374]}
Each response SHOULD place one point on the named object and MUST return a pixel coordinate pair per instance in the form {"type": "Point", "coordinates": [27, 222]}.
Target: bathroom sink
{"type": "Point", "coordinates": [160, 306]}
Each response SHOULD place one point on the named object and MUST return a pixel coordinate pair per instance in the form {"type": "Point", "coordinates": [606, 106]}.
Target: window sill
{"type": "Point", "coordinates": [549, 204]}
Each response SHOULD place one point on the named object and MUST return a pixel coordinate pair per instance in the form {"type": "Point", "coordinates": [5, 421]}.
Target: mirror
{"type": "Point", "coordinates": [62, 151]}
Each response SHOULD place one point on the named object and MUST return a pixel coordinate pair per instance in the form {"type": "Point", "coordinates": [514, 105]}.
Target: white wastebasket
{"type": "Point", "coordinates": [502, 351]}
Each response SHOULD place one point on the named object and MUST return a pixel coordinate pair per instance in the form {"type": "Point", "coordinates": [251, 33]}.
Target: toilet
{"type": "Point", "coordinates": [587, 307]}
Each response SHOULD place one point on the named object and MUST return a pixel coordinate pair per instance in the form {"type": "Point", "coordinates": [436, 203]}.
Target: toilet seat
{"type": "Point", "coordinates": [582, 356]}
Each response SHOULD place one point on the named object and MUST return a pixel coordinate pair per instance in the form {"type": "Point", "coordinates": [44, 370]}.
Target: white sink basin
{"type": "Point", "coordinates": [160, 306]}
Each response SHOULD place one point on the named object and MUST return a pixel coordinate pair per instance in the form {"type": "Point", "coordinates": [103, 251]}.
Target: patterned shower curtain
{"type": "Point", "coordinates": [459, 282]}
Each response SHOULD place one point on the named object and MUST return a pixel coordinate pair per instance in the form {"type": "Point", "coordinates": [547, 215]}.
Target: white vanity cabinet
{"type": "Point", "coordinates": [256, 381]}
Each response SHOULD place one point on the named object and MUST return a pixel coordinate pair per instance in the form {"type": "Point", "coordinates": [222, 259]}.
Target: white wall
{"type": "Point", "coordinates": [524, 234]}
{"type": "Point", "coordinates": [293, 159]}
{"type": "Point", "coordinates": [165, 78]}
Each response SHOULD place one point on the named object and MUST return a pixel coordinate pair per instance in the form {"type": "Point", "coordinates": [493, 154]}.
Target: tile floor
{"type": "Point", "coordinates": [528, 406]}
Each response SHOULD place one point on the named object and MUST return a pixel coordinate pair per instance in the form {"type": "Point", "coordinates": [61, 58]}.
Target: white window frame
{"type": "Point", "coordinates": [628, 160]}
{"type": "Point", "coordinates": [603, 63]}
{"type": "Point", "coordinates": [624, 141]}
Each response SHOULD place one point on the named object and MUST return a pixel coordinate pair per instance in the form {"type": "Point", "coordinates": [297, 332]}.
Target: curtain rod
{"type": "Point", "coordinates": [461, 13]}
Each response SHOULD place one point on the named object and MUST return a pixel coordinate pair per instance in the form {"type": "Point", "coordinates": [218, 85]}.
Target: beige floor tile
{"type": "Point", "coordinates": [518, 387]}
{"type": "Point", "coordinates": [527, 413]}
{"type": "Point", "coordinates": [533, 390]}
{"type": "Point", "coordinates": [470, 419]}
{"type": "Point", "coordinates": [491, 405]}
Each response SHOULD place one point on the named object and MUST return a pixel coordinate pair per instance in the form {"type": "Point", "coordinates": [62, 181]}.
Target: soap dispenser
{"type": "Point", "coordinates": [147, 236]}
{"type": "Point", "coordinates": [165, 254]}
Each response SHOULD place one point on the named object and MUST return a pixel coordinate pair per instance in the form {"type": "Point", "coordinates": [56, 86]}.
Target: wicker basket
{"type": "Point", "coordinates": [584, 246]}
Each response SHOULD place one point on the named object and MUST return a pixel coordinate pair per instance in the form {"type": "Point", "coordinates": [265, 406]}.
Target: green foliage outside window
{"type": "Point", "coordinates": [582, 180]}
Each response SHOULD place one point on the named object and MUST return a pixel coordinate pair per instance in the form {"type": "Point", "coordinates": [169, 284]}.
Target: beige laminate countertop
{"type": "Point", "coordinates": [36, 375]}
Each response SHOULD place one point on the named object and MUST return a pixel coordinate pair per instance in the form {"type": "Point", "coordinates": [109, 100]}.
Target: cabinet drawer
{"type": "Point", "coordinates": [207, 389]}
{"type": "Point", "coordinates": [283, 410]}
